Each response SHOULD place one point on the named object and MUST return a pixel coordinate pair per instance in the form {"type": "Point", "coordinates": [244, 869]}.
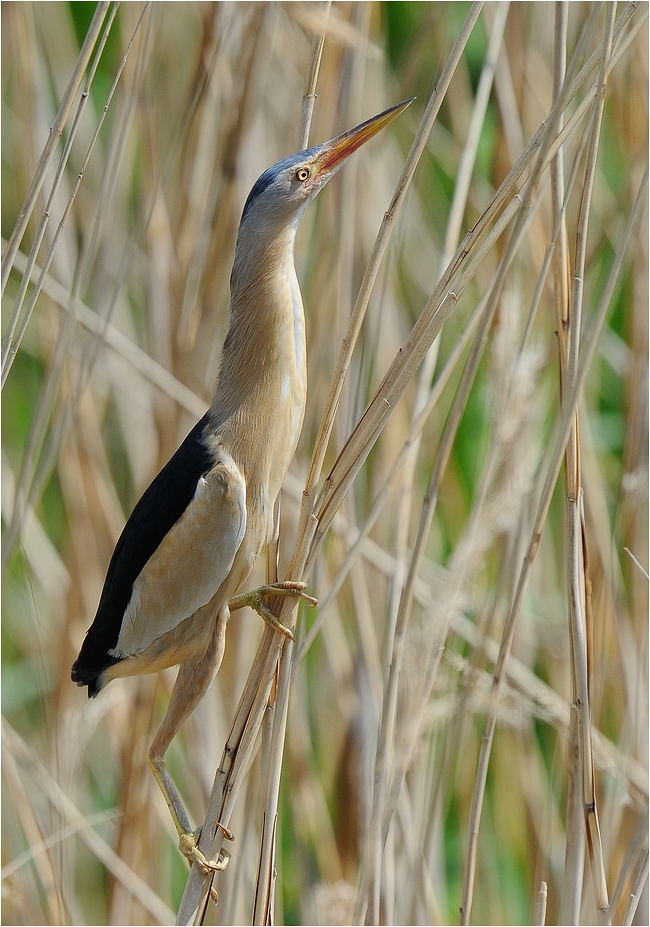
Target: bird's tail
{"type": "Point", "coordinates": [95, 681]}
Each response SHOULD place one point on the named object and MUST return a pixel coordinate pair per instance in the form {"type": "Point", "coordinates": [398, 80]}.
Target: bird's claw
{"type": "Point", "coordinates": [289, 587]}
{"type": "Point", "coordinates": [189, 847]}
{"type": "Point", "coordinates": [255, 599]}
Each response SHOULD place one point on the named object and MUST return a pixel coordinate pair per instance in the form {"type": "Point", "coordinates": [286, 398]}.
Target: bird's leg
{"type": "Point", "coordinates": [191, 684]}
{"type": "Point", "coordinates": [255, 600]}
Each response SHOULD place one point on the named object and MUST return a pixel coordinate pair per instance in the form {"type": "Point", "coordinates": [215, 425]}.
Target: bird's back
{"type": "Point", "coordinates": [159, 508]}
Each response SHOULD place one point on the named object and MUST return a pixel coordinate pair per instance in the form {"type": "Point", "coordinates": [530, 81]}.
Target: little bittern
{"type": "Point", "coordinates": [193, 537]}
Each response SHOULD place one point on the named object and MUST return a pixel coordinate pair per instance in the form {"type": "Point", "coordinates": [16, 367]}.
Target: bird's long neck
{"type": "Point", "coordinates": [260, 398]}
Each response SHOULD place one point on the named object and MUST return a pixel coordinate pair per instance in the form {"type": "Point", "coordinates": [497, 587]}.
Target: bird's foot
{"type": "Point", "coordinates": [188, 844]}
{"type": "Point", "coordinates": [255, 600]}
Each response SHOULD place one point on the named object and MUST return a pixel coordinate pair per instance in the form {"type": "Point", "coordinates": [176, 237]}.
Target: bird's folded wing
{"type": "Point", "coordinates": [191, 561]}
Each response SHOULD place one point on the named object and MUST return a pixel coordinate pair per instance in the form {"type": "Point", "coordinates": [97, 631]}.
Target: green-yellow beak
{"type": "Point", "coordinates": [340, 148]}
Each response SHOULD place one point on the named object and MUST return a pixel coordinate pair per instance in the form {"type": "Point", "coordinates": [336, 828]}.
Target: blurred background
{"type": "Point", "coordinates": [114, 358]}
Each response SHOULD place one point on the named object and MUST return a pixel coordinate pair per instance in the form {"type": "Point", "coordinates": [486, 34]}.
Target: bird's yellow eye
{"type": "Point", "coordinates": [302, 174]}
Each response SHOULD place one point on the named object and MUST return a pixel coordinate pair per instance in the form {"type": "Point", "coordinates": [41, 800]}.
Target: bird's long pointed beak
{"type": "Point", "coordinates": [340, 148]}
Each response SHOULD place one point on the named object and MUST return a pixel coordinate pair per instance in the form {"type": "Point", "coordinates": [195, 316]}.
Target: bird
{"type": "Point", "coordinates": [192, 539]}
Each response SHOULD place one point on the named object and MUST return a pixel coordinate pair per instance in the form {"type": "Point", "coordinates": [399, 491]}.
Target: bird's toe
{"type": "Point", "coordinates": [189, 847]}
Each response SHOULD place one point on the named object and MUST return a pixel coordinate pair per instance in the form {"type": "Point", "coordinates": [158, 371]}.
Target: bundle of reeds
{"type": "Point", "coordinates": [463, 722]}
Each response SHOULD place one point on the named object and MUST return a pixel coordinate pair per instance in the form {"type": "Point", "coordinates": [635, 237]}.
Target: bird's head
{"type": "Point", "coordinates": [282, 193]}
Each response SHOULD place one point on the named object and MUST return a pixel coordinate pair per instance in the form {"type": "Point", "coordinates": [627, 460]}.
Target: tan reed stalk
{"type": "Point", "coordinates": [11, 344]}
{"type": "Point", "coordinates": [214, 97]}
{"type": "Point", "coordinates": [74, 817]}
{"type": "Point", "coordinates": [540, 905]}
{"type": "Point", "coordinates": [480, 782]}
{"type": "Point", "coordinates": [34, 471]}
{"type": "Point", "coordinates": [193, 905]}
{"type": "Point", "coordinates": [370, 276]}
{"type": "Point", "coordinates": [582, 797]}
{"type": "Point", "coordinates": [264, 904]}
{"type": "Point", "coordinates": [53, 140]}
{"type": "Point", "coordinates": [545, 498]}
{"type": "Point", "coordinates": [635, 895]}
{"type": "Point", "coordinates": [452, 234]}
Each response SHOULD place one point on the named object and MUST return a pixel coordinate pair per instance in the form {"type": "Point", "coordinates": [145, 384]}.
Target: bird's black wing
{"type": "Point", "coordinates": [158, 510]}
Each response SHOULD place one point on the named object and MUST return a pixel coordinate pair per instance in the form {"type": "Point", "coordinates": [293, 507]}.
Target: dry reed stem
{"type": "Point", "coordinates": [11, 344]}
{"type": "Point", "coordinates": [477, 801]}
{"type": "Point", "coordinates": [635, 895]}
{"type": "Point", "coordinates": [634, 854]}
{"type": "Point", "coordinates": [382, 807]}
{"type": "Point", "coordinates": [310, 95]}
{"type": "Point", "coordinates": [452, 234]}
{"type": "Point", "coordinates": [148, 898]}
{"type": "Point", "coordinates": [32, 493]}
{"type": "Point", "coordinates": [428, 325]}
{"type": "Point", "coordinates": [577, 576]}
{"type": "Point", "coordinates": [34, 471]}
{"type": "Point", "coordinates": [350, 341]}
{"type": "Point", "coordinates": [22, 498]}
{"type": "Point", "coordinates": [333, 723]}
{"type": "Point", "coordinates": [552, 472]}
{"type": "Point", "coordinates": [197, 891]}
{"type": "Point", "coordinates": [636, 563]}
{"type": "Point", "coordinates": [237, 756]}
{"type": "Point", "coordinates": [361, 305]}
{"type": "Point", "coordinates": [114, 339]}
{"type": "Point", "coordinates": [574, 843]}
{"type": "Point", "coordinates": [56, 131]}
{"type": "Point", "coordinates": [540, 905]}
{"type": "Point", "coordinates": [263, 906]}
{"type": "Point", "coordinates": [551, 706]}
{"type": "Point", "coordinates": [382, 496]}
{"type": "Point", "coordinates": [192, 906]}
{"type": "Point", "coordinates": [31, 484]}
{"type": "Point", "coordinates": [423, 531]}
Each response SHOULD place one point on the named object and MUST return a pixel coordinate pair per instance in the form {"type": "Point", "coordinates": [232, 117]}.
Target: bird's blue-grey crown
{"type": "Point", "coordinates": [274, 174]}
